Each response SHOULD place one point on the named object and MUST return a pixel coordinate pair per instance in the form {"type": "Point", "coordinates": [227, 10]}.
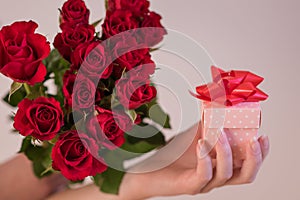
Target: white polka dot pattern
{"type": "Point", "coordinates": [240, 123]}
{"type": "Point", "coordinates": [243, 115]}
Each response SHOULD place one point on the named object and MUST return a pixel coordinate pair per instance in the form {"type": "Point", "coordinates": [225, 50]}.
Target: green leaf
{"type": "Point", "coordinates": [96, 23]}
{"type": "Point", "coordinates": [15, 98]}
{"type": "Point", "coordinates": [97, 35]}
{"type": "Point", "coordinates": [157, 139]}
{"type": "Point", "coordinates": [111, 181]}
{"type": "Point", "coordinates": [98, 180]}
{"type": "Point", "coordinates": [157, 114]}
{"type": "Point", "coordinates": [155, 49]}
{"type": "Point", "coordinates": [59, 84]}
{"type": "Point", "coordinates": [15, 86]}
{"type": "Point", "coordinates": [48, 170]}
{"type": "Point", "coordinates": [106, 4]}
{"type": "Point", "coordinates": [27, 88]}
{"type": "Point", "coordinates": [139, 147]}
{"type": "Point", "coordinates": [132, 114]}
{"type": "Point", "coordinates": [142, 111]}
{"type": "Point", "coordinates": [36, 91]}
{"type": "Point", "coordinates": [153, 111]}
{"type": "Point", "coordinates": [56, 65]}
{"type": "Point", "coordinates": [25, 144]}
{"type": "Point", "coordinates": [40, 170]}
{"type": "Point", "coordinates": [131, 150]}
{"type": "Point", "coordinates": [51, 60]}
{"type": "Point", "coordinates": [39, 155]}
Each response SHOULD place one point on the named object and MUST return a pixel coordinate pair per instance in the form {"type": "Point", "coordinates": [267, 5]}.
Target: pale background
{"type": "Point", "coordinates": [259, 35]}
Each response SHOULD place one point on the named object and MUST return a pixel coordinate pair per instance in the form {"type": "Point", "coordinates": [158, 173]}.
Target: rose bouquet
{"type": "Point", "coordinates": [103, 90]}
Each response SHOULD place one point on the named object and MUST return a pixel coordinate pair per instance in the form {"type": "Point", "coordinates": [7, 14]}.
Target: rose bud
{"type": "Point", "coordinates": [22, 52]}
{"type": "Point", "coordinates": [75, 11]}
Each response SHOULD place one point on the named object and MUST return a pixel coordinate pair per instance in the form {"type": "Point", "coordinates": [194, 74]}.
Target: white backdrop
{"type": "Point", "coordinates": [259, 35]}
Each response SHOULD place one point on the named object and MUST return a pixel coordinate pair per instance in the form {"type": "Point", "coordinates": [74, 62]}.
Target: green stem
{"type": "Point", "coordinates": [106, 4]}
{"type": "Point", "coordinates": [27, 88]}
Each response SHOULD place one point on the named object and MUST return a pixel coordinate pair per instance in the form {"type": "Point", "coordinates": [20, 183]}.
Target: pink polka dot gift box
{"type": "Point", "coordinates": [239, 122]}
{"type": "Point", "coordinates": [230, 104]}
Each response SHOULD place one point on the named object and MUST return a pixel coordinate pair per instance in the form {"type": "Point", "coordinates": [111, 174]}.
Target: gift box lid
{"type": "Point", "coordinates": [242, 115]}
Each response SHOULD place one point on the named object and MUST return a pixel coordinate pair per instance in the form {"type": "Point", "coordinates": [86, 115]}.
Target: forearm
{"type": "Point", "coordinates": [130, 189]}
{"type": "Point", "coordinates": [19, 182]}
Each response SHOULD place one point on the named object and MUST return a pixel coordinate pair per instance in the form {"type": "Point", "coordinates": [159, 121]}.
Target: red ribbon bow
{"type": "Point", "coordinates": [230, 88]}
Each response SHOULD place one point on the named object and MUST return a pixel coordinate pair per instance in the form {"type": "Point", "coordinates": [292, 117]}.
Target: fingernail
{"type": "Point", "coordinates": [265, 141]}
{"type": "Point", "coordinates": [254, 145]}
{"type": "Point", "coordinates": [222, 137]}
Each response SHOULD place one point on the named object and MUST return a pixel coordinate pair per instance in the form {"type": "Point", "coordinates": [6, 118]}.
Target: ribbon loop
{"type": "Point", "coordinates": [232, 87]}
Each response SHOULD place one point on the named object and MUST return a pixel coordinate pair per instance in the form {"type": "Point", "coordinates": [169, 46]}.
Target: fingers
{"type": "Point", "coordinates": [264, 145]}
{"type": "Point", "coordinates": [204, 170]}
{"type": "Point", "coordinates": [204, 165]}
{"type": "Point", "coordinates": [205, 180]}
{"type": "Point", "coordinates": [250, 166]}
{"type": "Point", "coordinates": [224, 166]}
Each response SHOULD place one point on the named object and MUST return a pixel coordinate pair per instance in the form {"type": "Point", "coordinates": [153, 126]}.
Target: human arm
{"type": "Point", "coordinates": [190, 174]}
{"type": "Point", "coordinates": [19, 182]}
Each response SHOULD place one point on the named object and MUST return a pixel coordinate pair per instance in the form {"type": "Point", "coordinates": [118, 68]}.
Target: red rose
{"type": "Point", "coordinates": [135, 89]}
{"type": "Point", "coordinates": [139, 7]}
{"type": "Point", "coordinates": [68, 84]}
{"type": "Point", "coordinates": [22, 52]}
{"type": "Point", "coordinates": [92, 59]}
{"type": "Point", "coordinates": [155, 33]}
{"type": "Point", "coordinates": [128, 58]}
{"type": "Point", "coordinates": [75, 11]}
{"type": "Point", "coordinates": [73, 155]}
{"type": "Point", "coordinates": [108, 128]}
{"type": "Point", "coordinates": [138, 119]}
{"type": "Point", "coordinates": [71, 37]}
{"type": "Point", "coordinates": [98, 96]}
{"type": "Point", "coordinates": [117, 22]}
{"type": "Point", "coordinates": [83, 95]}
{"type": "Point", "coordinates": [69, 80]}
{"type": "Point", "coordinates": [146, 67]}
{"type": "Point", "coordinates": [41, 118]}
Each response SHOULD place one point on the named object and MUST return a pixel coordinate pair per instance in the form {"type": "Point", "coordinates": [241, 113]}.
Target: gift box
{"type": "Point", "coordinates": [230, 104]}
{"type": "Point", "coordinates": [239, 122]}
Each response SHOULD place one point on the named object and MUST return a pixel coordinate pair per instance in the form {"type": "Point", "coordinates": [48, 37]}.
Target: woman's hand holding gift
{"type": "Point", "coordinates": [197, 172]}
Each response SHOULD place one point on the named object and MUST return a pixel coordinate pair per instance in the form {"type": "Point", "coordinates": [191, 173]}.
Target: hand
{"type": "Point", "coordinates": [194, 173]}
